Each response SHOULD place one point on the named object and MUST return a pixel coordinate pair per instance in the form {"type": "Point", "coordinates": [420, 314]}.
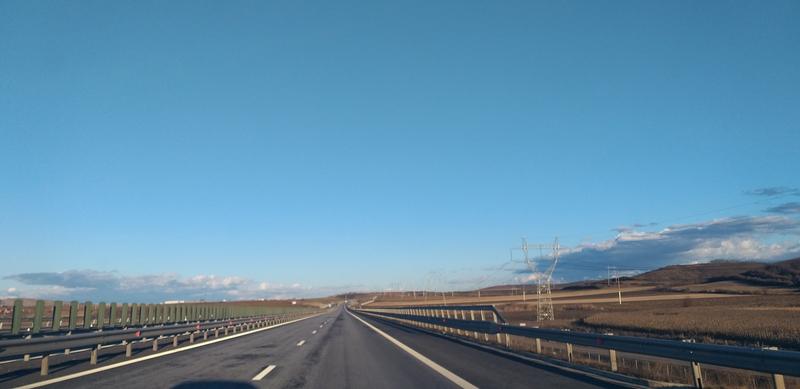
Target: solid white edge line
{"type": "Point", "coordinates": [300, 343]}
{"type": "Point", "coordinates": [263, 373]}
{"type": "Point", "coordinates": [153, 356]}
{"type": "Point", "coordinates": [433, 365]}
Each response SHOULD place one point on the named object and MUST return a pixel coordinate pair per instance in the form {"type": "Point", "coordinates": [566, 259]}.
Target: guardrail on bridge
{"type": "Point", "coordinates": [474, 322]}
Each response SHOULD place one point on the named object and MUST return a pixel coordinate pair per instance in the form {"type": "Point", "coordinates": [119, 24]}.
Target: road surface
{"type": "Point", "coordinates": [333, 350]}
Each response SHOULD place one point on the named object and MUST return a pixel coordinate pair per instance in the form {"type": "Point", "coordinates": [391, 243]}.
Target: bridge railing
{"type": "Point", "coordinates": [44, 347]}
{"type": "Point", "coordinates": [461, 321]}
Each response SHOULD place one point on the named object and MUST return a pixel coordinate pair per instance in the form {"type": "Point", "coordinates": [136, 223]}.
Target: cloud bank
{"type": "Point", "coordinates": [112, 286]}
{"type": "Point", "coordinates": [785, 208]}
{"type": "Point", "coordinates": [739, 238]}
{"type": "Point", "coordinates": [774, 191]}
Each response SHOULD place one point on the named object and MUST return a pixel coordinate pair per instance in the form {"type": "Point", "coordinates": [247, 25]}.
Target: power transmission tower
{"type": "Point", "coordinates": [544, 303]}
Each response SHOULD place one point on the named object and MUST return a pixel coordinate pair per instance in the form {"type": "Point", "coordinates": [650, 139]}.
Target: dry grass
{"type": "Point", "coordinates": [767, 327]}
{"type": "Point", "coordinates": [751, 320]}
{"type": "Point", "coordinates": [730, 287]}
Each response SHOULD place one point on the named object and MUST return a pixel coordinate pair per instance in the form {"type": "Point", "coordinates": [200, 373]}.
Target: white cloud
{"type": "Point", "coordinates": [741, 248]}
{"type": "Point", "coordinates": [96, 285]}
{"type": "Point", "coordinates": [745, 237]}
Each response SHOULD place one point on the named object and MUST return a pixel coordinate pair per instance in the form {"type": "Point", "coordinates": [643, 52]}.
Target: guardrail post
{"type": "Point", "coordinates": [37, 316]}
{"type": "Point", "coordinates": [101, 315]}
{"type": "Point", "coordinates": [538, 346]}
{"type": "Point", "coordinates": [427, 313]}
{"type": "Point", "coordinates": [205, 335]}
{"type": "Point", "coordinates": [16, 318]}
{"type": "Point", "coordinates": [155, 343]}
{"type": "Point", "coordinates": [191, 338]}
{"type": "Point", "coordinates": [483, 318]}
{"type": "Point", "coordinates": [697, 375]}
{"type": "Point", "coordinates": [93, 356]}
{"type": "Point", "coordinates": [216, 332]}
{"type": "Point", "coordinates": [87, 314]}
{"type": "Point", "coordinates": [45, 365]}
{"type": "Point", "coordinates": [494, 317]}
{"type": "Point", "coordinates": [57, 307]}
{"type": "Point", "coordinates": [569, 352]}
{"type": "Point", "coordinates": [612, 356]}
{"type": "Point", "coordinates": [128, 349]}
{"type": "Point", "coordinates": [175, 340]}
{"type": "Point", "coordinates": [777, 381]}
{"type": "Point", "coordinates": [472, 317]}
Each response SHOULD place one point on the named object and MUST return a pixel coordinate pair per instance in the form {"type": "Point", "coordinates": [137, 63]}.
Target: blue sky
{"type": "Point", "coordinates": [282, 148]}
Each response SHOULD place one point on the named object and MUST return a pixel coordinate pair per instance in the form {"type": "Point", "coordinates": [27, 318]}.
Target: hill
{"type": "Point", "coordinates": [698, 273]}
{"type": "Point", "coordinates": [780, 274]}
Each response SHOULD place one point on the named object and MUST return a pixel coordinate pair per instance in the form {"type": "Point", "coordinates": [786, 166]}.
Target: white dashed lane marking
{"type": "Point", "coordinates": [263, 373]}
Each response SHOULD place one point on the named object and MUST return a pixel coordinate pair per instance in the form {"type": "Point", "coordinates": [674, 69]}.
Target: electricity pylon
{"type": "Point", "coordinates": [544, 309]}
{"type": "Point", "coordinates": [544, 303]}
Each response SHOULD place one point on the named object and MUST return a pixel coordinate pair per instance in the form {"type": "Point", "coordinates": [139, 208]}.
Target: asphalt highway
{"type": "Point", "coordinates": [332, 350]}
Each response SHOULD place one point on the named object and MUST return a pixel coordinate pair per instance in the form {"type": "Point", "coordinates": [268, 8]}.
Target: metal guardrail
{"type": "Point", "coordinates": [453, 319]}
{"type": "Point", "coordinates": [443, 310]}
{"type": "Point", "coordinates": [45, 346]}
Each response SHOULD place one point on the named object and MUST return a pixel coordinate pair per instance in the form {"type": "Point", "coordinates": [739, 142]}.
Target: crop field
{"type": "Point", "coordinates": [756, 320]}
